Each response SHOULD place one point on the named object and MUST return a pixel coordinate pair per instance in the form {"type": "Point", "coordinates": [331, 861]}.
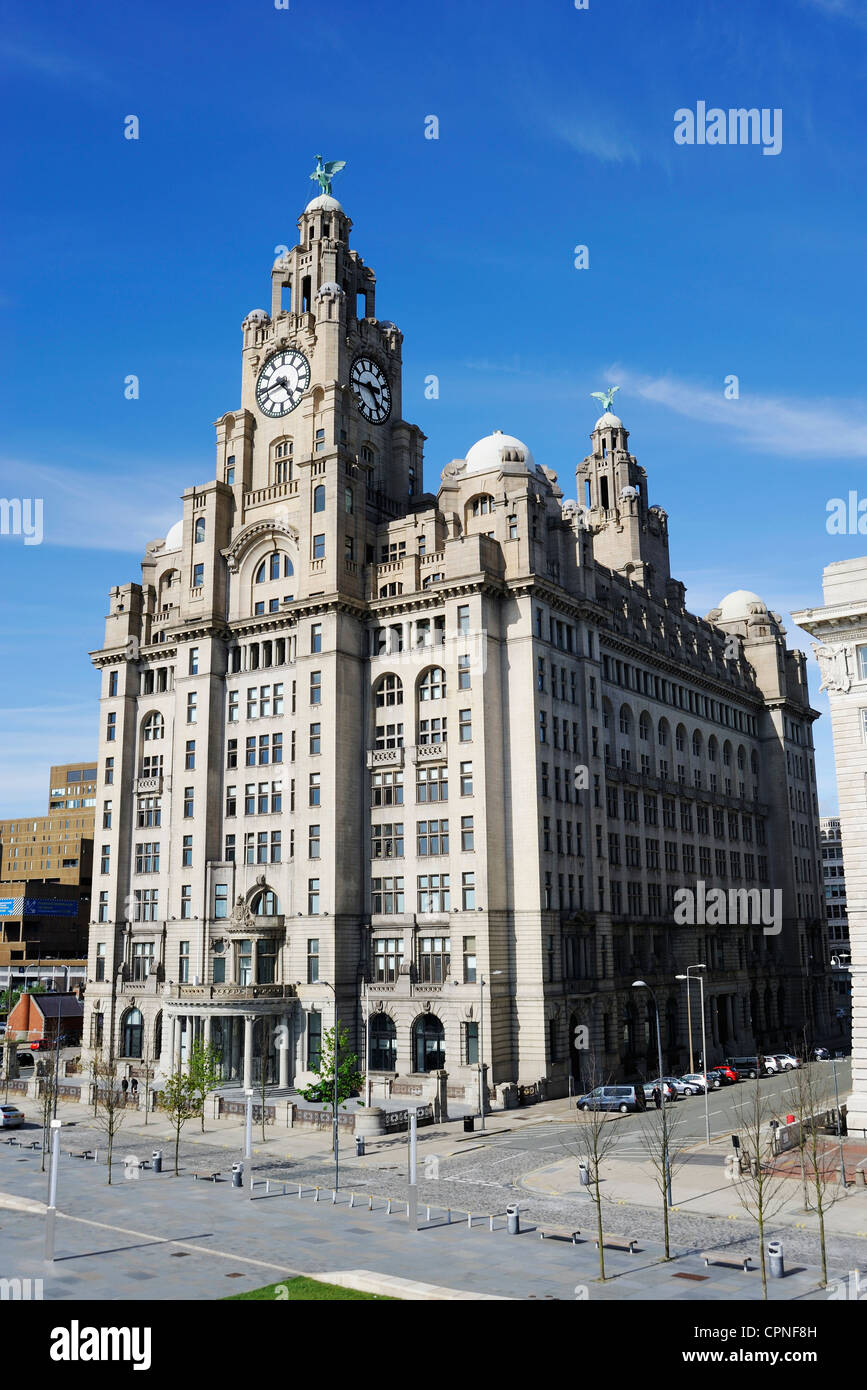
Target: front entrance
{"type": "Point", "coordinates": [428, 1043]}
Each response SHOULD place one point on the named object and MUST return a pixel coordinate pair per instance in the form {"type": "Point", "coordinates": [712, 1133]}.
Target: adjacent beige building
{"type": "Point", "coordinates": [435, 755]}
{"type": "Point", "coordinates": [840, 627]}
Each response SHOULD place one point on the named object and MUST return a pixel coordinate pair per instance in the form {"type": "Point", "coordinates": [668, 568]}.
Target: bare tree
{"type": "Point", "coordinates": [46, 1068]}
{"type": "Point", "coordinates": [110, 1102]}
{"type": "Point", "coordinates": [761, 1190]}
{"type": "Point", "coordinates": [818, 1170]}
{"type": "Point", "coordinates": [204, 1070]}
{"type": "Point", "coordinates": [181, 1103]}
{"type": "Point", "coordinates": [594, 1139]}
{"type": "Point", "coordinates": [664, 1145]}
{"type": "Point", "coordinates": [147, 1067]}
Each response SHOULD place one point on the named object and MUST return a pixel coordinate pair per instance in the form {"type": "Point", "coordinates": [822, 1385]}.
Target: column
{"type": "Point", "coordinates": [235, 1053]}
{"type": "Point", "coordinates": [283, 1052]}
{"type": "Point", "coordinates": [248, 1052]}
{"type": "Point", "coordinates": [173, 1024]}
{"type": "Point", "coordinates": [176, 1044]}
{"type": "Point", "coordinates": [207, 1030]}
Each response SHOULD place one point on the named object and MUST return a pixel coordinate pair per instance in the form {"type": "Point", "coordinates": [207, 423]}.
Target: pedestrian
{"type": "Point", "coordinates": [133, 1086]}
{"type": "Point", "coordinates": [657, 1097]}
{"type": "Point", "coordinates": [124, 1085]}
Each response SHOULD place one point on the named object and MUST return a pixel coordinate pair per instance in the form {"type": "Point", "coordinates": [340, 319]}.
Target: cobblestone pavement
{"type": "Point", "coordinates": [481, 1175]}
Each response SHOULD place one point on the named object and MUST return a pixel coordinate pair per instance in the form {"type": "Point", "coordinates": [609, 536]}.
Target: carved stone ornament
{"type": "Point", "coordinates": [242, 918]}
{"type": "Point", "coordinates": [834, 666]}
{"type": "Point", "coordinates": [426, 1006]}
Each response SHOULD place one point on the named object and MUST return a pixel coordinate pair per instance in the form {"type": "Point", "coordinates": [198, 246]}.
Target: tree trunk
{"type": "Point", "coordinates": [177, 1147]}
{"type": "Point", "coordinates": [599, 1222]}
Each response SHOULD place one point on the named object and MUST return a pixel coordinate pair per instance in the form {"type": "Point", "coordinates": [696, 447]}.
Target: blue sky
{"type": "Point", "coordinates": [556, 130]}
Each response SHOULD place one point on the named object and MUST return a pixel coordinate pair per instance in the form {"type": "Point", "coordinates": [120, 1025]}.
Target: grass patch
{"type": "Point", "coordinates": [306, 1291]}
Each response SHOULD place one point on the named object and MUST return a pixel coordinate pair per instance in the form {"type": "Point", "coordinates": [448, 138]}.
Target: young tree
{"type": "Point", "coordinates": [662, 1141]}
{"type": "Point", "coordinates": [761, 1190]}
{"type": "Point", "coordinates": [349, 1078]}
{"type": "Point", "coordinates": [147, 1067]}
{"type": "Point", "coordinates": [594, 1139]}
{"type": "Point", "coordinates": [203, 1070]}
{"type": "Point", "coordinates": [818, 1169]}
{"type": "Point", "coordinates": [110, 1102]}
{"type": "Point", "coordinates": [180, 1102]}
{"type": "Point", "coordinates": [47, 1071]}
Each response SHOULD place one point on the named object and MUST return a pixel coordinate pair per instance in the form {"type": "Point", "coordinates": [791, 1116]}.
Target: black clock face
{"type": "Point", "coordinates": [371, 390]}
{"type": "Point", "coordinates": [282, 382]}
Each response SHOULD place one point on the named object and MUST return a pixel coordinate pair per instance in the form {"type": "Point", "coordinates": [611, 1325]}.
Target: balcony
{"type": "Point", "coordinates": [384, 757]}
{"type": "Point", "coordinates": [425, 753]}
{"type": "Point", "coordinates": [271, 494]}
{"type": "Point", "coordinates": [148, 786]}
{"type": "Point", "coordinates": [227, 994]}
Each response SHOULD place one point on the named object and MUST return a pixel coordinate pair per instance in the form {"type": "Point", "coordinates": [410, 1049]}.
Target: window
{"type": "Point", "coordinates": [467, 833]}
{"type": "Point", "coordinates": [102, 913]}
{"type": "Point", "coordinates": [316, 687]}
{"type": "Point", "coordinates": [233, 707]}
{"type": "Point", "coordinates": [432, 784]}
{"type": "Point", "coordinates": [188, 802]}
{"type": "Point", "coordinates": [183, 961]}
{"type": "Point", "coordinates": [100, 952]}
{"type": "Point", "coordinates": [105, 859]}
{"type": "Point", "coordinates": [313, 842]}
{"type": "Point", "coordinates": [315, 790]}
{"type": "Point", "coordinates": [469, 960]}
{"type": "Point", "coordinates": [463, 672]}
{"type": "Point", "coordinates": [106, 815]}
{"type": "Point", "coordinates": [465, 725]}
{"type": "Point", "coordinates": [434, 959]}
{"type": "Point", "coordinates": [387, 959]}
{"type": "Point", "coordinates": [319, 547]}
{"type": "Point", "coordinates": [153, 727]}
{"type": "Point", "coordinates": [190, 755]}
{"type": "Point", "coordinates": [230, 470]}
{"type": "Point", "coordinates": [109, 772]}
{"type": "Point", "coordinates": [199, 530]}
{"type": "Point", "coordinates": [464, 617]}
{"type": "Point", "coordinates": [145, 905]}
{"type": "Point", "coordinates": [387, 840]}
{"type": "Point", "coordinates": [112, 682]}
{"type": "Point", "coordinates": [221, 900]}
{"type": "Point", "coordinates": [229, 849]}
{"type": "Point", "coordinates": [432, 685]}
{"type": "Point", "coordinates": [386, 789]}
{"type": "Point", "coordinates": [315, 738]}
{"type": "Point", "coordinates": [198, 576]}
{"type": "Point", "coordinates": [313, 897]}
{"type": "Point", "coordinates": [312, 960]}
{"type": "Point", "coordinates": [432, 837]}
{"type": "Point", "coordinates": [319, 496]}
{"type": "Point", "coordinates": [314, 1041]}
{"type": "Point", "coordinates": [468, 891]}
{"type": "Point", "coordinates": [347, 501]}
{"type": "Point", "coordinates": [513, 528]}
{"type": "Point", "coordinates": [111, 728]}
{"type": "Point", "coordinates": [387, 895]}
{"type": "Point", "coordinates": [433, 893]}
{"type": "Point", "coordinates": [187, 851]}
{"type": "Point", "coordinates": [316, 637]}
{"type": "Point", "coordinates": [192, 713]}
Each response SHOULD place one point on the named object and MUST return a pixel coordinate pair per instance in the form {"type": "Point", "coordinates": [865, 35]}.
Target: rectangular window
{"type": "Point", "coordinates": [387, 958]}
{"type": "Point", "coordinates": [316, 637]}
{"type": "Point", "coordinates": [221, 900]}
{"type": "Point", "coordinates": [468, 891]}
{"type": "Point", "coordinates": [463, 617]}
{"type": "Point", "coordinates": [187, 851]}
{"type": "Point", "coordinates": [471, 1043]}
{"type": "Point", "coordinates": [105, 859]}
{"type": "Point", "coordinates": [432, 837]}
{"type": "Point", "coordinates": [434, 959]}
{"type": "Point", "coordinates": [100, 953]}
{"type": "Point", "coordinates": [190, 755]}
{"type": "Point", "coordinates": [229, 849]}
{"type": "Point", "coordinates": [312, 960]}
{"type": "Point", "coordinates": [319, 547]}
{"type": "Point", "coordinates": [469, 960]}
{"type": "Point", "coordinates": [106, 815]}
{"type": "Point", "coordinates": [314, 1041]}
{"type": "Point", "coordinates": [433, 893]}
{"type": "Point", "coordinates": [463, 672]}
{"type": "Point", "coordinates": [465, 725]}
{"type": "Point", "coordinates": [188, 802]}
{"type": "Point", "coordinates": [194, 661]}
{"type": "Point", "coordinates": [102, 914]}
{"type": "Point", "coordinates": [387, 841]}
{"type": "Point", "coordinates": [315, 738]}
{"type": "Point", "coordinates": [183, 961]}
{"type": "Point", "coordinates": [386, 789]}
{"type": "Point", "coordinates": [314, 790]}
{"type": "Point", "coordinates": [313, 842]}
{"type": "Point", "coordinates": [387, 895]}
{"type": "Point", "coordinates": [112, 680]}
{"type": "Point", "coordinates": [111, 728]}
{"type": "Point", "coordinates": [432, 784]}
{"type": "Point", "coordinates": [198, 576]}
{"type": "Point", "coordinates": [109, 772]}
{"type": "Point", "coordinates": [316, 687]}
{"type": "Point", "coordinates": [467, 833]}
{"type": "Point", "coordinates": [313, 897]}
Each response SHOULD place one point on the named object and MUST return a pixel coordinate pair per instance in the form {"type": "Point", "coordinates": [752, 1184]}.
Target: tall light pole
{"type": "Point", "coordinates": [367, 1084]}
{"type": "Point", "coordinates": [642, 984]}
{"type": "Point", "coordinates": [700, 978]}
{"type": "Point", "coordinates": [843, 1182]}
{"type": "Point", "coordinates": [482, 1096]}
{"type": "Point", "coordinates": [334, 1130]}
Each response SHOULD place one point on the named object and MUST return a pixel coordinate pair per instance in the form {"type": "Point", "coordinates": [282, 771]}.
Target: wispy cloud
{"type": "Point", "coordinates": [770, 424]}
{"type": "Point", "coordinates": [851, 10]}
{"type": "Point", "coordinates": [596, 136]}
{"type": "Point", "coordinates": [35, 58]}
{"type": "Point", "coordinates": [94, 511]}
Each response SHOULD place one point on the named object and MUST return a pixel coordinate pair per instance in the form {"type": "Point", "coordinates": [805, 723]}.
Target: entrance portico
{"type": "Point", "coordinates": [250, 1027]}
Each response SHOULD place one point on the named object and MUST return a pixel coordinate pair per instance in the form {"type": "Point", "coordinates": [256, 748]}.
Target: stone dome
{"type": "Point", "coordinates": [257, 316]}
{"type": "Point", "coordinates": [329, 290]}
{"type": "Point", "coordinates": [739, 604]}
{"type": "Point", "coordinates": [324, 203]}
{"type": "Point", "coordinates": [175, 538]}
{"type": "Point", "coordinates": [497, 450]}
{"type": "Point", "coordinates": [608, 422]}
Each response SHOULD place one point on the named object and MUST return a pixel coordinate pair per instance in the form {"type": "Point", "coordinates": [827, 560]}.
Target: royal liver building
{"type": "Point", "coordinates": [449, 760]}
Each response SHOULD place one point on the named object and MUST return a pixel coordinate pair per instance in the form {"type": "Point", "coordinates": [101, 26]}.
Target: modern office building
{"type": "Point", "coordinates": [46, 864]}
{"type": "Point", "coordinates": [834, 881]}
{"type": "Point", "coordinates": [450, 757]}
{"type": "Point", "coordinates": [840, 629]}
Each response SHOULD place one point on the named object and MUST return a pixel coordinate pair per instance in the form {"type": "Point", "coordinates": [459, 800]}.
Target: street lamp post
{"type": "Point", "coordinates": [367, 1083]}
{"type": "Point", "coordinates": [334, 1130]}
{"type": "Point", "coordinates": [839, 1117]}
{"type": "Point", "coordinates": [482, 1096]}
{"type": "Point", "coordinates": [700, 978]}
{"type": "Point", "coordinates": [642, 984]}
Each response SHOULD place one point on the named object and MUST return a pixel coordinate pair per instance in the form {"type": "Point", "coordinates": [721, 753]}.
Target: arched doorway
{"type": "Point", "coordinates": [428, 1043]}
{"type": "Point", "coordinates": [383, 1043]}
{"type": "Point", "coordinates": [131, 1033]}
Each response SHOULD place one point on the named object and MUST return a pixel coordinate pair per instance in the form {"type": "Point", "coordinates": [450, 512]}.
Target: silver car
{"type": "Point", "coordinates": [11, 1117]}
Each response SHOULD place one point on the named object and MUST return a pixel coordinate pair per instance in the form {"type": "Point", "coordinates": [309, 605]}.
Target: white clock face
{"type": "Point", "coordinates": [282, 382]}
{"type": "Point", "coordinates": [371, 390]}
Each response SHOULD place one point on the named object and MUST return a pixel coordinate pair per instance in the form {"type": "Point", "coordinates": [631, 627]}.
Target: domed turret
{"type": "Point", "coordinates": [498, 451]}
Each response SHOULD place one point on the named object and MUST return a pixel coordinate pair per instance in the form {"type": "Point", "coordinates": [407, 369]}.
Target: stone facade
{"type": "Point", "coordinates": [445, 759]}
{"type": "Point", "coordinates": [840, 629]}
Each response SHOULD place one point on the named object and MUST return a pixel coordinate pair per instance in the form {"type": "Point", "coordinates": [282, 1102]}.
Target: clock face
{"type": "Point", "coordinates": [282, 382]}
{"type": "Point", "coordinates": [371, 390]}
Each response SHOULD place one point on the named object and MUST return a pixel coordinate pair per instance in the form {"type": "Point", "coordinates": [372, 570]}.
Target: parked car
{"type": "Point", "coordinates": [697, 1082]}
{"type": "Point", "coordinates": [11, 1117]}
{"type": "Point", "coordinates": [750, 1066]}
{"type": "Point", "coordinates": [622, 1098]}
{"type": "Point", "coordinates": [821, 1054]}
{"type": "Point", "coordinates": [786, 1061]}
{"type": "Point", "coordinates": [678, 1086]}
{"type": "Point", "coordinates": [727, 1074]}
{"type": "Point", "coordinates": [25, 1059]}
{"type": "Point", "coordinates": [650, 1086]}
{"type": "Point", "coordinates": [69, 1040]}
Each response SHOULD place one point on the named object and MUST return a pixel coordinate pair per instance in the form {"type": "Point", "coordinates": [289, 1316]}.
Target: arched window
{"type": "Point", "coordinates": [383, 1043]}
{"type": "Point", "coordinates": [644, 727]}
{"type": "Point", "coordinates": [428, 1043]}
{"type": "Point", "coordinates": [727, 753]}
{"type": "Point", "coordinates": [265, 904]}
{"type": "Point", "coordinates": [482, 505]}
{"type": "Point", "coordinates": [389, 691]}
{"type": "Point", "coordinates": [319, 498]}
{"type": "Point", "coordinates": [157, 1047]}
{"type": "Point", "coordinates": [625, 719]}
{"type": "Point", "coordinates": [131, 1033]}
{"type": "Point", "coordinates": [153, 727]}
{"type": "Point", "coordinates": [742, 757]}
{"type": "Point", "coordinates": [662, 734]}
{"type": "Point", "coordinates": [432, 685]}
{"type": "Point", "coordinates": [199, 530]}
{"type": "Point", "coordinates": [272, 567]}
{"type": "Point", "coordinates": [696, 744]}
{"type": "Point", "coordinates": [754, 763]}
{"type": "Point", "coordinates": [281, 460]}
{"type": "Point", "coordinates": [712, 749]}
{"type": "Point", "coordinates": [680, 738]}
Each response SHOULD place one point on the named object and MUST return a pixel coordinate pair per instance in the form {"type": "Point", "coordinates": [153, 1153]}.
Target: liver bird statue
{"type": "Point", "coordinates": [324, 173]}
{"type": "Point", "coordinates": [606, 397]}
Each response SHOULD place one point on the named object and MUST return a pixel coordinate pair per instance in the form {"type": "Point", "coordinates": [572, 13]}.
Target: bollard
{"type": "Point", "coordinates": [157, 1161]}
{"type": "Point", "coordinates": [369, 1202]}
{"type": "Point", "coordinates": [333, 1196]}
{"type": "Point", "coordinates": [513, 1224]}
{"type": "Point", "coordinates": [237, 1175]}
{"type": "Point", "coordinates": [469, 1221]}
{"type": "Point", "coordinates": [583, 1173]}
{"type": "Point", "coordinates": [351, 1200]}
{"type": "Point", "coordinates": [490, 1223]}
{"type": "Point", "coordinates": [448, 1216]}
{"type": "Point", "coordinates": [388, 1207]}
{"type": "Point", "coordinates": [299, 1190]}
{"type": "Point", "coordinates": [427, 1215]}
{"type": "Point", "coordinates": [359, 1146]}
{"type": "Point", "coordinates": [775, 1259]}
{"type": "Point", "coordinates": [316, 1194]}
